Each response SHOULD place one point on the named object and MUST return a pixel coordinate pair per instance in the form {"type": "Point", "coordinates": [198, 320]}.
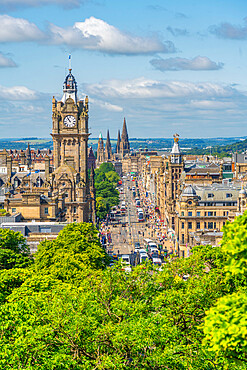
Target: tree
{"type": "Point", "coordinates": [14, 251]}
{"type": "Point", "coordinates": [76, 249]}
{"type": "Point", "coordinates": [226, 322]}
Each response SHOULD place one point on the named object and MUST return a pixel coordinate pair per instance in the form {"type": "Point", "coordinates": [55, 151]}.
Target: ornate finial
{"type": "Point", "coordinates": [176, 138]}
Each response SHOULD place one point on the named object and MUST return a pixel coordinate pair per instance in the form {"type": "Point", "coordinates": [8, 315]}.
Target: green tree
{"type": "Point", "coordinates": [226, 322]}
{"type": "Point", "coordinates": [76, 249]}
{"type": "Point", "coordinates": [14, 251]}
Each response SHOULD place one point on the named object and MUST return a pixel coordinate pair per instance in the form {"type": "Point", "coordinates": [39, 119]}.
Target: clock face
{"type": "Point", "coordinates": [69, 121]}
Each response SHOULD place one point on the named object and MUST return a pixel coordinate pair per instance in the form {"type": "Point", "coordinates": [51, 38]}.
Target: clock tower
{"type": "Point", "coordinates": [70, 128]}
{"type": "Point", "coordinates": [70, 151]}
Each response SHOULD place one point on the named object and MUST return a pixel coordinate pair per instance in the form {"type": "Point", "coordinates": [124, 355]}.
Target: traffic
{"type": "Point", "coordinates": [126, 232]}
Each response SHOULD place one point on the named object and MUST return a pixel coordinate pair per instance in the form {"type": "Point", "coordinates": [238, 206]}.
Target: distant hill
{"type": "Point", "coordinates": [222, 150]}
{"type": "Point", "coordinates": [220, 146]}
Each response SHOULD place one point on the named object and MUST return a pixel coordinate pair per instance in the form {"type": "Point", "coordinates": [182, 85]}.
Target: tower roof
{"type": "Point", "coordinates": [175, 148]}
{"type": "Point", "coordinates": [69, 88]}
{"type": "Point", "coordinates": [124, 132]}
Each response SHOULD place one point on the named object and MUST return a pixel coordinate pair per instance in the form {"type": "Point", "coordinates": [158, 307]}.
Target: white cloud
{"type": "Point", "coordinates": [18, 30]}
{"type": "Point", "coordinates": [96, 34]}
{"type": "Point", "coordinates": [178, 64]}
{"type": "Point", "coordinates": [13, 4]}
{"type": "Point", "coordinates": [146, 88]}
{"type": "Point", "coordinates": [17, 93]}
{"type": "Point", "coordinates": [106, 105]}
{"type": "Point", "coordinates": [6, 62]}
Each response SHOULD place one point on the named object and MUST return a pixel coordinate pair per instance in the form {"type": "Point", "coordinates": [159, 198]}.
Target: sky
{"type": "Point", "coordinates": [168, 67]}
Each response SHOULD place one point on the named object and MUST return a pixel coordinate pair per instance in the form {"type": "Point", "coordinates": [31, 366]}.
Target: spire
{"type": "Point", "coordinates": [100, 150]}
{"type": "Point", "coordinates": [124, 132]}
{"type": "Point", "coordinates": [124, 145]}
{"type": "Point", "coordinates": [108, 149]}
{"type": "Point", "coordinates": [118, 143]}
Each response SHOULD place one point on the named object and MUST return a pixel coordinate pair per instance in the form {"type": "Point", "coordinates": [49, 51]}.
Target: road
{"type": "Point", "coordinates": [124, 238]}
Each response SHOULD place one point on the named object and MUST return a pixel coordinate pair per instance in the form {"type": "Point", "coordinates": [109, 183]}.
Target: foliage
{"type": "Point", "coordinates": [76, 248]}
{"type": "Point", "coordinates": [226, 322]}
{"type": "Point", "coordinates": [14, 251]}
{"type": "Point", "coordinates": [226, 327]}
{"type": "Point", "coordinates": [72, 312]}
{"type": "Point", "coordinates": [106, 179]}
{"type": "Point", "coordinates": [148, 319]}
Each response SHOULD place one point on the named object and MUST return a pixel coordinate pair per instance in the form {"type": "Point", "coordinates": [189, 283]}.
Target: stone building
{"type": "Point", "coordinates": [63, 191]}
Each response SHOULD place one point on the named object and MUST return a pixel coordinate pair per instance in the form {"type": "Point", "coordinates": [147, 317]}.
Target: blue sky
{"type": "Point", "coordinates": [167, 67]}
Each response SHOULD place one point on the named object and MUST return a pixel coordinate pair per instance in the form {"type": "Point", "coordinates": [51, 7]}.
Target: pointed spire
{"type": "Point", "coordinates": [124, 145]}
{"type": "Point", "coordinates": [100, 150]}
{"type": "Point", "coordinates": [118, 143]}
{"type": "Point", "coordinates": [108, 149]}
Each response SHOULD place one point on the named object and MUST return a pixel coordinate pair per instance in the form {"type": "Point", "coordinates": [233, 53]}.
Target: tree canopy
{"type": "Point", "coordinates": [71, 311]}
{"type": "Point", "coordinates": [107, 196]}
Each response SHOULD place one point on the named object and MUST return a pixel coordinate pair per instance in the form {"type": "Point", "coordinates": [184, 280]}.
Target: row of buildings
{"type": "Point", "coordinates": [193, 196]}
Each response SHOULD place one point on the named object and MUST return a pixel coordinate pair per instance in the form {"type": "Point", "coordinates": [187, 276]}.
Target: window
{"type": "Point", "coordinates": [205, 225]}
{"type": "Point", "coordinates": [198, 225]}
{"type": "Point", "coordinates": [13, 210]}
{"type": "Point", "coordinates": [224, 223]}
{"type": "Point", "coordinates": [74, 209]}
{"type": "Point", "coordinates": [210, 213]}
{"type": "Point", "coordinates": [189, 225]}
{"type": "Point", "coordinates": [182, 213]}
{"type": "Point", "coordinates": [228, 195]}
{"type": "Point", "coordinates": [214, 213]}
{"type": "Point", "coordinates": [74, 220]}
{"type": "Point", "coordinates": [190, 214]}
{"type": "Point", "coordinates": [46, 210]}
{"type": "Point", "coordinates": [210, 225]}
{"type": "Point", "coordinates": [214, 225]}
{"type": "Point", "coordinates": [66, 195]}
{"type": "Point", "coordinates": [224, 213]}
{"type": "Point", "coordinates": [189, 202]}
{"type": "Point", "coordinates": [205, 213]}
{"type": "Point", "coordinates": [210, 195]}
{"type": "Point", "coordinates": [198, 214]}
{"type": "Point", "coordinates": [182, 225]}
{"type": "Point", "coordinates": [182, 238]}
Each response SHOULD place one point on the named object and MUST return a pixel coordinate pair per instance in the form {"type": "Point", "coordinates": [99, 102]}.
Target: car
{"type": "Point", "coordinates": [137, 245]}
{"type": "Point", "coordinates": [157, 261]}
{"type": "Point", "coordinates": [126, 258]}
{"type": "Point", "coordinates": [142, 251]}
{"type": "Point", "coordinates": [143, 257]}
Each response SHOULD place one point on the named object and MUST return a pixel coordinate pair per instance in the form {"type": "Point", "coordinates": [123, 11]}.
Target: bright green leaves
{"type": "Point", "coordinates": [72, 254]}
{"type": "Point", "coordinates": [226, 326]}
{"type": "Point", "coordinates": [234, 245]}
{"type": "Point", "coordinates": [106, 179]}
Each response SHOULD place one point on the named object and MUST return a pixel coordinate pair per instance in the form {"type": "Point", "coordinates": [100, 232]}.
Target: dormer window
{"type": "Point", "coordinates": [210, 195]}
{"type": "Point", "coordinates": [228, 195]}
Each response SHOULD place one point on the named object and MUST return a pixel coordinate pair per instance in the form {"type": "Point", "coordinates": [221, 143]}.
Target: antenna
{"type": "Point", "coordinates": [69, 61]}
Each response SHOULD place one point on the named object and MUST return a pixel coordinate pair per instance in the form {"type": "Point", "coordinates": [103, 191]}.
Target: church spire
{"type": "Point", "coordinates": [108, 149]}
{"type": "Point", "coordinates": [100, 150]}
{"type": "Point", "coordinates": [118, 143]}
{"type": "Point", "coordinates": [124, 145]}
